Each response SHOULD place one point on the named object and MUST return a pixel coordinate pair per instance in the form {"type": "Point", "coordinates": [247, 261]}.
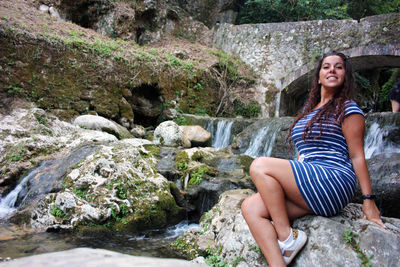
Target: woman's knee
{"type": "Point", "coordinates": [253, 206]}
{"type": "Point", "coordinates": [259, 166]}
{"type": "Point", "coordinates": [246, 207]}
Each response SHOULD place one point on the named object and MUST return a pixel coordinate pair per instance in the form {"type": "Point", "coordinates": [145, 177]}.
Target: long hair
{"type": "Point", "coordinates": [335, 107]}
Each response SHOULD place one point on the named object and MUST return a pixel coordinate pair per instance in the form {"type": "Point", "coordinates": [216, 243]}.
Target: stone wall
{"type": "Point", "coordinates": [285, 53]}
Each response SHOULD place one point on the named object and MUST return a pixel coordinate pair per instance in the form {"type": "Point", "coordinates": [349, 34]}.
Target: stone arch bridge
{"type": "Point", "coordinates": [285, 53]}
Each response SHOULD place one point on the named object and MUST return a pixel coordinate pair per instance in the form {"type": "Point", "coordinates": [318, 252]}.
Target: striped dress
{"type": "Point", "coordinates": [324, 173]}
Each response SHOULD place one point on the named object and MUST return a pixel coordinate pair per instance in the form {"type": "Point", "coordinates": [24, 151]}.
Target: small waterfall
{"type": "Point", "coordinates": [179, 229]}
{"type": "Point", "coordinates": [263, 141]}
{"type": "Point", "coordinates": [7, 204]}
{"type": "Point", "coordinates": [375, 142]}
{"type": "Point", "coordinates": [43, 179]}
{"type": "Point", "coordinates": [255, 144]}
{"type": "Point", "coordinates": [222, 135]}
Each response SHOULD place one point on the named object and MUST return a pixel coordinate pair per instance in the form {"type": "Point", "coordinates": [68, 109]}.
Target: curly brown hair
{"type": "Point", "coordinates": [335, 107]}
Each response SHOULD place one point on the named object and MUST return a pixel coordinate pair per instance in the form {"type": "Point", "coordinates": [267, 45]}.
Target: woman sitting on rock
{"type": "Point", "coordinates": [329, 135]}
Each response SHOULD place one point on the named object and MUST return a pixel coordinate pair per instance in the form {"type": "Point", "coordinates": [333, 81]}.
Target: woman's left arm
{"type": "Point", "coordinates": [353, 128]}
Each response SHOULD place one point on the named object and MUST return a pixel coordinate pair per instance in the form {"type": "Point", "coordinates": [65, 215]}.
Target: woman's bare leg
{"type": "Point", "coordinates": [258, 219]}
{"type": "Point", "coordinates": [395, 105]}
{"type": "Point", "coordinates": [280, 199]}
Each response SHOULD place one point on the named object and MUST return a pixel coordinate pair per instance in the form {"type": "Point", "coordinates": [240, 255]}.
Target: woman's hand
{"type": "Point", "coordinates": [371, 212]}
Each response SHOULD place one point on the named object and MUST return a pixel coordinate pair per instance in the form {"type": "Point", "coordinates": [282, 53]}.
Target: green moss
{"type": "Point", "coordinates": [198, 156]}
{"type": "Point", "coordinates": [270, 96]}
{"type": "Point", "coordinates": [152, 151]}
{"type": "Point", "coordinates": [187, 248]}
{"type": "Point", "coordinates": [181, 161]}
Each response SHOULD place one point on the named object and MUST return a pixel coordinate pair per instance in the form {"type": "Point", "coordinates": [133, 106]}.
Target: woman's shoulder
{"type": "Point", "coordinates": [352, 107]}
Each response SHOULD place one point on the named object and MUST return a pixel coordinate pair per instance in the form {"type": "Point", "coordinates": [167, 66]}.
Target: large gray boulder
{"type": "Point", "coordinates": [342, 240]}
{"type": "Point", "coordinates": [95, 257]}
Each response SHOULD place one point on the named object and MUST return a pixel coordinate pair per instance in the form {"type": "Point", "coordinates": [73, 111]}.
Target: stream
{"type": "Point", "coordinates": [150, 243]}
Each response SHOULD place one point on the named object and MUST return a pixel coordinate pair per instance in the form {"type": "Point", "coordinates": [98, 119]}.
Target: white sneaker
{"type": "Point", "coordinates": [299, 240]}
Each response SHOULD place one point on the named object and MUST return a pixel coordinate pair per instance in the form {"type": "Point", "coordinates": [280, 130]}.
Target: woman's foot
{"type": "Point", "coordinates": [292, 245]}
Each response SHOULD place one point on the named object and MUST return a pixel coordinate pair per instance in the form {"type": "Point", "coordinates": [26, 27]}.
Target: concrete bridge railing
{"type": "Point", "coordinates": [285, 53]}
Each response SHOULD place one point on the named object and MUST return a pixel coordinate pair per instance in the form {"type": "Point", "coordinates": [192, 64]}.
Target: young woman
{"type": "Point", "coordinates": [329, 135]}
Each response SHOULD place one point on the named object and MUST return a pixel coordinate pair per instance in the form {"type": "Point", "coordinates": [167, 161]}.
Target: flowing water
{"type": "Point", "coordinates": [375, 142]}
{"type": "Point", "coordinates": [221, 136]}
{"type": "Point", "coordinates": [45, 178]}
{"type": "Point", "coordinates": [262, 142]}
{"type": "Point", "coordinates": [150, 243]}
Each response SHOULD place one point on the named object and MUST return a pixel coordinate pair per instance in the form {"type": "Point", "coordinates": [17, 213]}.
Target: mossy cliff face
{"type": "Point", "coordinates": [73, 81]}
{"type": "Point", "coordinates": [72, 70]}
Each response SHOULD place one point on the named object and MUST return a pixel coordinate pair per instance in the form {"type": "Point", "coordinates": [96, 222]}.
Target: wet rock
{"type": "Point", "coordinates": [170, 113]}
{"type": "Point", "coordinates": [165, 164]}
{"type": "Point", "coordinates": [54, 13]}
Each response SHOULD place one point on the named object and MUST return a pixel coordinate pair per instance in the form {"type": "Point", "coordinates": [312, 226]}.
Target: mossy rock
{"type": "Point", "coordinates": [245, 162]}
{"type": "Point", "coordinates": [182, 160]}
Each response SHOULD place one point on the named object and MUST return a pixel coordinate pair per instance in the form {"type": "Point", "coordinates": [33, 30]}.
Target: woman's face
{"type": "Point", "coordinates": [332, 73]}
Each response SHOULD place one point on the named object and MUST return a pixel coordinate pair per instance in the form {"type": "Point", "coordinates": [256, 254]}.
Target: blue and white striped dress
{"type": "Point", "coordinates": [324, 174]}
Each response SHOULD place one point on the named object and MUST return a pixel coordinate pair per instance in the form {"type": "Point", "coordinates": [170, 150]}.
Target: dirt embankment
{"type": "Point", "coordinates": [72, 70]}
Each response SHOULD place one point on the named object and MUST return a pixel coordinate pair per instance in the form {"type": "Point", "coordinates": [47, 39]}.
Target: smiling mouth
{"type": "Point", "coordinates": [332, 78]}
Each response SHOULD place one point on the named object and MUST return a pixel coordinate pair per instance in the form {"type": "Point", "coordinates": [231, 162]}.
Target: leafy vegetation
{"type": "Point", "coordinates": [350, 238]}
{"type": "Point", "coordinates": [181, 120]}
{"type": "Point", "coordinates": [16, 153]}
{"type": "Point", "coordinates": [56, 212]}
{"type": "Point", "coordinates": [376, 84]}
{"type": "Point", "coordinates": [248, 111]}
{"type": "Point", "coordinates": [197, 175]}
{"type": "Point", "coordinates": [264, 11]}
{"type": "Point", "coordinates": [387, 87]}
{"type": "Point", "coordinates": [121, 215]}
{"type": "Point", "coordinates": [41, 119]}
